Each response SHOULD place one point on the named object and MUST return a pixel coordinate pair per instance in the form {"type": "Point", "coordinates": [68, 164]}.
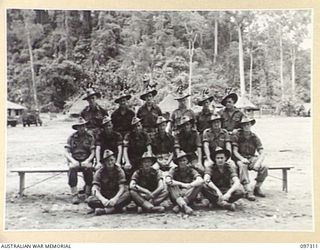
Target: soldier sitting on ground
{"type": "Point", "coordinates": [245, 146]}
{"type": "Point", "coordinates": [184, 183]}
{"type": "Point", "coordinates": [146, 187]}
{"type": "Point", "coordinates": [110, 194]}
{"type": "Point", "coordinates": [222, 185]}
{"type": "Point", "coordinates": [107, 138]}
{"type": "Point", "coordinates": [79, 152]}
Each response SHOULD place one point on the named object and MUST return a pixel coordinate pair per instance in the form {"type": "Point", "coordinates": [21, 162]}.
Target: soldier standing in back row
{"type": "Point", "coordinates": [122, 117]}
{"type": "Point", "coordinates": [204, 116]}
{"type": "Point", "coordinates": [230, 114]}
{"type": "Point", "coordinates": [149, 112]}
{"type": "Point", "coordinates": [93, 113]}
{"type": "Point", "coordinates": [181, 111]}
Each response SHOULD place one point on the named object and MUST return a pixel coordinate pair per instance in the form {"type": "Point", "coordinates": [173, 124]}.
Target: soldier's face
{"type": "Point", "coordinates": [182, 102]}
{"type": "Point", "coordinates": [146, 164]}
{"type": "Point", "coordinates": [81, 129]}
{"type": "Point", "coordinates": [138, 126]}
{"type": "Point", "coordinates": [149, 98]}
{"type": "Point", "coordinates": [246, 127]}
{"type": "Point", "coordinates": [188, 126]}
{"type": "Point", "coordinates": [92, 101]}
{"type": "Point", "coordinates": [123, 102]}
{"type": "Point", "coordinates": [220, 159]}
{"type": "Point", "coordinates": [110, 162]}
{"type": "Point", "coordinates": [229, 103]}
{"type": "Point", "coordinates": [216, 124]}
{"type": "Point", "coordinates": [162, 127]}
{"type": "Point", "coordinates": [108, 127]}
{"type": "Point", "coordinates": [183, 162]}
{"type": "Point", "coordinates": [206, 104]}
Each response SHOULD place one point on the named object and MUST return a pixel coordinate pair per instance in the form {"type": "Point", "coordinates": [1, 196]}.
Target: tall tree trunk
{"type": "Point", "coordinates": [87, 23]}
{"type": "Point", "coordinates": [66, 23]}
{"type": "Point", "coordinates": [216, 26]}
{"type": "Point", "coordinates": [250, 76]}
{"type": "Point", "coordinates": [191, 49]}
{"type": "Point", "coordinates": [293, 73]}
{"type": "Point", "coordinates": [241, 66]}
{"type": "Point", "coordinates": [34, 87]}
{"type": "Point", "coordinates": [281, 67]}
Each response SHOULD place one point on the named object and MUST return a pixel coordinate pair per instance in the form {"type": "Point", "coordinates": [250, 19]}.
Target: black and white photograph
{"type": "Point", "coordinates": [154, 119]}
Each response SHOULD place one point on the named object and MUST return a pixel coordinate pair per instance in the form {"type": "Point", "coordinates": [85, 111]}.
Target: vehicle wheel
{"type": "Point", "coordinates": [36, 124]}
{"type": "Point", "coordinates": [13, 124]}
{"type": "Point", "coordinates": [24, 124]}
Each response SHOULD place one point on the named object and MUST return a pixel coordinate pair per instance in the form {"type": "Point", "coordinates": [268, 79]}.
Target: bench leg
{"type": "Point", "coordinates": [284, 180]}
{"type": "Point", "coordinates": [22, 183]}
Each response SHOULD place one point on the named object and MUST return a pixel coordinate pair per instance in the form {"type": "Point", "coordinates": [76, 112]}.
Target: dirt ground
{"type": "Point", "coordinates": [287, 141]}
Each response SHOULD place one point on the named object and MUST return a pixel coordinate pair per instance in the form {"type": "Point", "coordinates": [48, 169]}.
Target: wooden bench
{"type": "Point", "coordinates": [285, 170]}
{"type": "Point", "coordinates": [22, 173]}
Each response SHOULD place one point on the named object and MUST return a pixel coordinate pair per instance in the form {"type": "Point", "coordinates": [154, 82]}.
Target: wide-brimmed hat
{"type": "Point", "coordinates": [106, 119]}
{"type": "Point", "coordinates": [148, 155]}
{"type": "Point", "coordinates": [135, 120]}
{"type": "Point", "coordinates": [106, 154]}
{"type": "Point", "coordinates": [161, 119]}
{"type": "Point", "coordinates": [245, 120]}
{"type": "Point", "coordinates": [180, 155]}
{"type": "Point", "coordinates": [204, 98]}
{"type": "Point", "coordinates": [90, 92]}
{"type": "Point", "coordinates": [221, 150]}
{"type": "Point", "coordinates": [121, 96]}
{"type": "Point", "coordinates": [148, 91]}
{"type": "Point", "coordinates": [184, 120]}
{"type": "Point", "coordinates": [233, 96]}
{"type": "Point", "coordinates": [215, 117]}
{"type": "Point", "coordinates": [80, 122]}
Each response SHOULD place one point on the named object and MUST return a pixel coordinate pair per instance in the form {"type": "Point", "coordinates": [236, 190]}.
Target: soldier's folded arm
{"type": "Point", "coordinates": [207, 151]}
{"type": "Point", "coordinates": [158, 189]}
{"type": "Point", "coordinates": [135, 187]}
{"type": "Point", "coordinates": [119, 193]}
{"type": "Point", "coordinates": [197, 182]}
{"type": "Point", "coordinates": [96, 192]}
{"type": "Point", "coordinates": [235, 185]}
{"type": "Point", "coordinates": [238, 155]}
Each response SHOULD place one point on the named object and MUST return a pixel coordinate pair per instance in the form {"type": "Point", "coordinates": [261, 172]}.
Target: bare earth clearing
{"type": "Point", "coordinates": [287, 141]}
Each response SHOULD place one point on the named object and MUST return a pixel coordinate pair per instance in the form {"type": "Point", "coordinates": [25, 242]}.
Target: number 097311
{"type": "Point", "coordinates": [309, 246]}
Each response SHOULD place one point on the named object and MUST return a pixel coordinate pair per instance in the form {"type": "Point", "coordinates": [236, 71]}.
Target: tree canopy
{"type": "Point", "coordinates": [111, 49]}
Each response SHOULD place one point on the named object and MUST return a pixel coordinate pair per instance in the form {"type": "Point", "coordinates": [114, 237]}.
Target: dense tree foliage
{"type": "Point", "coordinates": [52, 55]}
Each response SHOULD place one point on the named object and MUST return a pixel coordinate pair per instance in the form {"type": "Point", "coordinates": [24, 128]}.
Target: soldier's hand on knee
{"type": "Point", "coordinates": [112, 202]}
{"type": "Point", "coordinates": [127, 166]}
{"type": "Point", "coordinates": [74, 164]}
{"type": "Point", "coordinates": [226, 196]}
{"type": "Point", "coordinates": [245, 161]}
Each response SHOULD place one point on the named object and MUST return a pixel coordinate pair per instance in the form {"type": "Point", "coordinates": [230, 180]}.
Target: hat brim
{"type": "Point", "coordinates": [105, 158]}
{"type": "Point", "coordinates": [127, 97]}
{"type": "Point", "coordinates": [233, 96]}
{"type": "Point", "coordinates": [182, 124]}
{"type": "Point", "coordinates": [200, 103]}
{"type": "Point", "coordinates": [221, 119]}
{"type": "Point", "coordinates": [252, 122]}
{"type": "Point", "coordinates": [166, 121]}
{"type": "Point", "coordinates": [92, 94]}
{"type": "Point", "coordinates": [152, 158]}
{"type": "Point", "coordinates": [222, 151]}
{"type": "Point", "coordinates": [153, 92]}
{"type": "Point", "coordinates": [182, 97]}
{"type": "Point", "coordinates": [76, 126]}
{"type": "Point", "coordinates": [176, 160]}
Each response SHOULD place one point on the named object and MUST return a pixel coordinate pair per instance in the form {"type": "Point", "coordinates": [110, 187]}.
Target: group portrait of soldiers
{"type": "Point", "coordinates": [146, 162]}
